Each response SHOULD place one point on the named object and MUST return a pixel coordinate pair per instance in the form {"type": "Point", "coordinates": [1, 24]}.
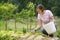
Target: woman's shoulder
{"type": "Point", "coordinates": [48, 10]}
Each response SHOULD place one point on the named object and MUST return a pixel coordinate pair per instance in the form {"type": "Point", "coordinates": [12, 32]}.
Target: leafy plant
{"type": "Point", "coordinates": [24, 30]}
{"type": "Point", "coordinates": [4, 35]}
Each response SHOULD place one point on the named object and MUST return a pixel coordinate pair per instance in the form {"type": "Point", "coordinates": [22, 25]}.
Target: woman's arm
{"type": "Point", "coordinates": [39, 24]}
{"type": "Point", "coordinates": [52, 18]}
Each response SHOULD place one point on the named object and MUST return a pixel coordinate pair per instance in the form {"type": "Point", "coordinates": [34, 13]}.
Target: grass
{"type": "Point", "coordinates": [2, 25]}
{"type": "Point", "coordinates": [19, 26]}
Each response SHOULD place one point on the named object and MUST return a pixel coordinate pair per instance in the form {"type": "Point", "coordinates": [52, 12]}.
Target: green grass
{"type": "Point", "coordinates": [2, 25]}
{"type": "Point", "coordinates": [19, 26]}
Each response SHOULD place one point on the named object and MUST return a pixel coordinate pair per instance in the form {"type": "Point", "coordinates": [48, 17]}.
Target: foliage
{"type": "Point", "coordinates": [24, 30]}
{"type": "Point", "coordinates": [7, 10]}
{"type": "Point", "coordinates": [49, 4]}
{"type": "Point", "coordinates": [4, 35]}
{"type": "Point", "coordinates": [29, 12]}
{"type": "Point", "coordinates": [56, 11]}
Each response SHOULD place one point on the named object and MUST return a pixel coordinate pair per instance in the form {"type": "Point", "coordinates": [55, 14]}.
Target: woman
{"type": "Point", "coordinates": [44, 16]}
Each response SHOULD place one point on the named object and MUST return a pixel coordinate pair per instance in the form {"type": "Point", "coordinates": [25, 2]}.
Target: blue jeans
{"type": "Point", "coordinates": [44, 32]}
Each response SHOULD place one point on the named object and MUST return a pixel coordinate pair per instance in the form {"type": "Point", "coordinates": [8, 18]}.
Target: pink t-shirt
{"type": "Point", "coordinates": [45, 18]}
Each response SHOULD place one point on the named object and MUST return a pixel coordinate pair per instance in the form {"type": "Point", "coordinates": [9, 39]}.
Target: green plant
{"type": "Point", "coordinates": [4, 35]}
{"type": "Point", "coordinates": [24, 30]}
{"type": "Point", "coordinates": [57, 33]}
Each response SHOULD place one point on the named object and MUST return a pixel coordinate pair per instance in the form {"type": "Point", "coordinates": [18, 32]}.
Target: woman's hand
{"type": "Point", "coordinates": [33, 31]}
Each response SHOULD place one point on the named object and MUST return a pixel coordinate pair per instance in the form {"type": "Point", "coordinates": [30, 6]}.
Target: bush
{"type": "Point", "coordinates": [4, 35]}
{"type": "Point", "coordinates": [7, 10]}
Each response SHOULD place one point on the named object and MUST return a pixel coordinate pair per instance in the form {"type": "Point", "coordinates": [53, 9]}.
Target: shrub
{"type": "Point", "coordinates": [4, 35]}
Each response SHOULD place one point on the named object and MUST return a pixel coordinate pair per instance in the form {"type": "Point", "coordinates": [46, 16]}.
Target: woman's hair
{"type": "Point", "coordinates": [41, 7]}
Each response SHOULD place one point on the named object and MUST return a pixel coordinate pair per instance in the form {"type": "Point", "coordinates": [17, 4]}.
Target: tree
{"type": "Point", "coordinates": [7, 12]}
{"type": "Point", "coordinates": [27, 14]}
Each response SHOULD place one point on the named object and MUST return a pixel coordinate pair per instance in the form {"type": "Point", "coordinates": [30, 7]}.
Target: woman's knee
{"type": "Point", "coordinates": [44, 32]}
